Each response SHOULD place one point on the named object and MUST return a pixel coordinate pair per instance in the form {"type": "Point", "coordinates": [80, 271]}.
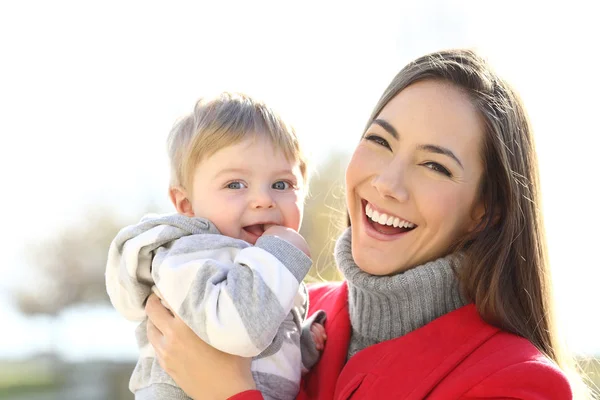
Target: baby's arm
{"type": "Point", "coordinates": [234, 299]}
{"type": "Point", "coordinates": [312, 339]}
{"type": "Point", "coordinates": [129, 265]}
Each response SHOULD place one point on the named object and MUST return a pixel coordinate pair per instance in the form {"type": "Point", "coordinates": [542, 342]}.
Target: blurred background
{"type": "Point", "coordinates": [89, 91]}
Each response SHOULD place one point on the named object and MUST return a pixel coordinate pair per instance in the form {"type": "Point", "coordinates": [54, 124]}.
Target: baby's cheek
{"type": "Point", "coordinates": [293, 217]}
{"type": "Point", "coordinates": [296, 219]}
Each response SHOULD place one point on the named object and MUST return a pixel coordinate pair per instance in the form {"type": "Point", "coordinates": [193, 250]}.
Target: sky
{"type": "Point", "coordinates": [89, 91]}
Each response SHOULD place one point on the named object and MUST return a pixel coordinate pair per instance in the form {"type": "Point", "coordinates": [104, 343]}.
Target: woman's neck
{"type": "Point", "coordinates": [387, 307]}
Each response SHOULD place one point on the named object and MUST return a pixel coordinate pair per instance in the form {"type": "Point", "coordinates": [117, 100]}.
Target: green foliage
{"type": "Point", "coordinates": [26, 377]}
{"type": "Point", "coordinates": [48, 378]}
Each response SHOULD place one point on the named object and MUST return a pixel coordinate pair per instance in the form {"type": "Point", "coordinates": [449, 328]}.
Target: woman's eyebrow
{"type": "Point", "coordinates": [387, 126]}
{"type": "Point", "coordinates": [426, 147]}
{"type": "Point", "coordinates": [440, 150]}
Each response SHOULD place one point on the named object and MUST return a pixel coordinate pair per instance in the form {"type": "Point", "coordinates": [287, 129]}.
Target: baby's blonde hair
{"type": "Point", "coordinates": [222, 121]}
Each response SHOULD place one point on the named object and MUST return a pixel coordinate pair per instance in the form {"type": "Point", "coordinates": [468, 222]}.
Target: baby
{"type": "Point", "coordinates": [230, 262]}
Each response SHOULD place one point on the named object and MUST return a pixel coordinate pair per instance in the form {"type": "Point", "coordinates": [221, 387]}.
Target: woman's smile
{"type": "Point", "coordinates": [384, 223]}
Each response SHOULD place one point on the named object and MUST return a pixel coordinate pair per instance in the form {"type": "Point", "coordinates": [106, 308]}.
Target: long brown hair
{"type": "Point", "coordinates": [505, 271]}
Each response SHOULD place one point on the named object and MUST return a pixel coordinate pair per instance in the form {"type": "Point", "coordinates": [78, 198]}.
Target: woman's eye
{"type": "Point", "coordinates": [438, 168]}
{"type": "Point", "coordinates": [379, 140]}
{"type": "Point", "coordinates": [236, 185]}
{"type": "Point", "coordinates": [281, 185]}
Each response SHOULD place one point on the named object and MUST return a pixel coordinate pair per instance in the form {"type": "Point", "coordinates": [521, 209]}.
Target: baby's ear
{"type": "Point", "coordinates": [181, 201]}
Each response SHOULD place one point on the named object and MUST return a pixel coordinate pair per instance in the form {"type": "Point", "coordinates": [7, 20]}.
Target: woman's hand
{"type": "Point", "coordinates": [202, 371]}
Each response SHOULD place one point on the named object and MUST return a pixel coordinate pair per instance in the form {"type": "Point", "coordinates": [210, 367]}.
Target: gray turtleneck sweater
{"type": "Point", "coordinates": [386, 307]}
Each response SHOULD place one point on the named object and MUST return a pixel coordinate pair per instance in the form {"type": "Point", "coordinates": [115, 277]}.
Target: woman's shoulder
{"type": "Point", "coordinates": [517, 364]}
{"type": "Point", "coordinates": [508, 365]}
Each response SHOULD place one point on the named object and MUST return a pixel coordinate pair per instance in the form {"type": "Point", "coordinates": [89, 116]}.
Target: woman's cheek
{"type": "Point", "coordinates": [362, 164]}
{"type": "Point", "coordinates": [436, 203]}
{"type": "Point", "coordinates": [451, 211]}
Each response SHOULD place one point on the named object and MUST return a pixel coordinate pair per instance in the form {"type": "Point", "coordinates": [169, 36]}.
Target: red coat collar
{"type": "Point", "coordinates": [456, 335]}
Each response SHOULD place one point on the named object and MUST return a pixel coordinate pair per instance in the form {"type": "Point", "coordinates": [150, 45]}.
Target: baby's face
{"type": "Point", "coordinates": [245, 186]}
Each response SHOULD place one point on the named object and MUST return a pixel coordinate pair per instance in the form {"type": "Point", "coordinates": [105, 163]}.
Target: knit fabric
{"type": "Point", "coordinates": [387, 307]}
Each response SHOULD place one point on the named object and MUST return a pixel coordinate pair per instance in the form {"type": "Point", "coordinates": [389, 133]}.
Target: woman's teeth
{"type": "Point", "coordinates": [384, 219]}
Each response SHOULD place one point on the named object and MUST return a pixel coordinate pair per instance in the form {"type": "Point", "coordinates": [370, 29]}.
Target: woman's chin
{"type": "Point", "coordinates": [379, 271]}
{"type": "Point", "coordinates": [377, 264]}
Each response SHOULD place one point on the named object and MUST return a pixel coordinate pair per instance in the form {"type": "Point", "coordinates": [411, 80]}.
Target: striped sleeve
{"type": "Point", "coordinates": [129, 264]}
{"type": "Point", "coordinates": [233, 298]}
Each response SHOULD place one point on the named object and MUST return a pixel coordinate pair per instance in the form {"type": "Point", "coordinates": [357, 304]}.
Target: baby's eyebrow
{"type": "Point", "coordinates": [232, 171]}
{"type": "Point", "coordinates": [242, 171]}
{"type": "Point", "coordinates": [287, 171]}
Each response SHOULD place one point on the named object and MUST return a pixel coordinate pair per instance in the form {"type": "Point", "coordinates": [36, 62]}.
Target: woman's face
{"type": "Point", "coordinates": [412, 183]}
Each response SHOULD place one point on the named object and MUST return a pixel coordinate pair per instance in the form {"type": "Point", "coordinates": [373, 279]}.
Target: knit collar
{"type": "Point", "coordinates": [387, 307]}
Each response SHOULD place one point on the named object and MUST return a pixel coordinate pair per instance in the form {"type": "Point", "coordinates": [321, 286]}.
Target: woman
{"type": "Point", "coordinates": [447, 292]}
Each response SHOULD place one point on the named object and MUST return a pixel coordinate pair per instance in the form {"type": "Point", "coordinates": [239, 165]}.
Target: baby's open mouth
{"type": "Point", "coordinates": [256, 229]}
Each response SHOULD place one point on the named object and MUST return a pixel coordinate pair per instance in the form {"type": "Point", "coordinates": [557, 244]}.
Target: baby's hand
{"type": "Point", "coordinates": [317, 331]}
{"type": "Point", "coordinates": [288, 235]}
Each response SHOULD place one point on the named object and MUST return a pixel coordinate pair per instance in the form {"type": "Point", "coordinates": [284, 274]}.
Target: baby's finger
{"type": "Point", "coordinates": [319, 329]}
{"type": "Point", "coordinates": [316, 340]}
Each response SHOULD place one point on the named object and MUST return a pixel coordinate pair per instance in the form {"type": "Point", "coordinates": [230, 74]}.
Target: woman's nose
{"type": "Point", "coordinates": [390, 182]}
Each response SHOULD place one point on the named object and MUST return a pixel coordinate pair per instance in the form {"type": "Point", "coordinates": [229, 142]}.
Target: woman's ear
{"type": "Point", "coordinates": [479, 213]}
{"type": "Point", "coordinates": [181, 201]}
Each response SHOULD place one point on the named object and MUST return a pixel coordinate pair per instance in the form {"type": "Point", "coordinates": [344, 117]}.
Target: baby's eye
{"type": "Point", "coordinates": [281, 185]}
{"type": "Point", "coordinates": [236, 185]}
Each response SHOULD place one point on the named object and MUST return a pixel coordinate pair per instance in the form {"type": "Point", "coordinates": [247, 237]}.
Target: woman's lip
{"type": "Point", "coordinates": [375, 234]}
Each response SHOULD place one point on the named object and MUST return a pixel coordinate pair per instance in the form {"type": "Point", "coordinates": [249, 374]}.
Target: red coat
{"type": "Point", "coordinates": [455, 356]}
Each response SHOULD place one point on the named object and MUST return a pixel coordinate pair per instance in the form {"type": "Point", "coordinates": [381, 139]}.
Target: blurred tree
{"type": "Point", "coordinates": [68, 267]}
{"type": "Point", "coordinates": [325, 216]}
